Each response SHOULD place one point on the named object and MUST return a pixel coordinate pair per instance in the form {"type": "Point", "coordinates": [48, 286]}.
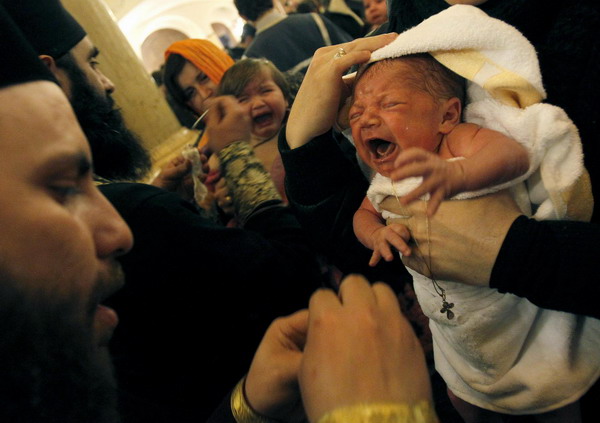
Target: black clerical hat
{"type": "Point", "coordinates": [19, 62]}
{"type": "Point", "coordinates": [47, 25]}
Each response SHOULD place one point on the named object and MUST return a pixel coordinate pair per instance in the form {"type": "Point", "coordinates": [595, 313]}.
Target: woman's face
{"type": "Point", "coordinates": [196, 87]}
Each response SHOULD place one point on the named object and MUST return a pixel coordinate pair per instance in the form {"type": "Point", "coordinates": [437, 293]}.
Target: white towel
{"type": "Point", "coordinates": [501, 352]}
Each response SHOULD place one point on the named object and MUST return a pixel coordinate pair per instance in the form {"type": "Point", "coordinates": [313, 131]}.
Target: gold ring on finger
{"type": "Point", "coordinates": [340, 53]}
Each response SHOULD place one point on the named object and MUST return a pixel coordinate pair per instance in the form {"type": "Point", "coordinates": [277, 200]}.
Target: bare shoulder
{"type": "Point", "coordinates": [463, 140]}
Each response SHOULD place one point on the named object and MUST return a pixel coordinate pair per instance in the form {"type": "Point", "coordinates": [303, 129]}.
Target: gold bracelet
{"type": "Point", "coordinates": [422, 412]}
{"type": "Point", "coordinates": [241, 410]}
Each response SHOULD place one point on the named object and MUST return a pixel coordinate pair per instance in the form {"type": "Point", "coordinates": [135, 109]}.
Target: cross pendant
{"type": "Point", "coordinates": [446, 306]}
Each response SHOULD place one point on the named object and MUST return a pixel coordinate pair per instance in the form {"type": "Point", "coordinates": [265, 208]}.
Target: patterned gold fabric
{"type": "Point", "coordinates": [248, 181]}
{"type": "Point", "coordinates": [421, 412]}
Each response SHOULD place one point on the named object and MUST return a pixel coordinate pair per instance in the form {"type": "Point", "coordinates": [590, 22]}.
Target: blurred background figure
{"type": "Point", "coordinates": [375, 13]}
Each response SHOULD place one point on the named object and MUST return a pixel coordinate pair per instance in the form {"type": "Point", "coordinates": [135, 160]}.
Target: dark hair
{"type": "Point", "coordinates": [308, 6]}
{"type": "Point", "coordinates": [240, 74]}
{"type": "Point", "coordinates": [253, 9]}
{"type": "Point", "coordinates": [429, 76]}
{"type": "Point", "coordinates": [248, 31]}
{"type": "Point", "coordinates": [172, 69]}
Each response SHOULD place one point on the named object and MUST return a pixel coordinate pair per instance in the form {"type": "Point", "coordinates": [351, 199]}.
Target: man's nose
{"type": "Point", "coordinates": [107, 84]}
{"type": "Point", "coordinates": [112, 235]}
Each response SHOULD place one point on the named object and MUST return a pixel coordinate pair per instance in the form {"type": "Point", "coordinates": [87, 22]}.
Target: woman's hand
{"type": "Point", "coordinates": [324, 91]}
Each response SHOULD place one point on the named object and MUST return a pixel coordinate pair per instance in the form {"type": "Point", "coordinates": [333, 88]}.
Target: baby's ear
{"type": "Point", "coordinates": [451, 115]}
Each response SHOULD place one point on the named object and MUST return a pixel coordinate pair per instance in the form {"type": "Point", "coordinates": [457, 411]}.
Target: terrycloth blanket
{"type": "Point", "coordinates": [501, 352]}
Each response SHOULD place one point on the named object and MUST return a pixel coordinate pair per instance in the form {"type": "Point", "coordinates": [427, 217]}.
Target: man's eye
{"type": "Point", "coordinates": [243, 99]}
{"type": "Point", "coordinates": [63, 193]}
{"type": "Point", "coordinates": [94, 63]}
{"type": "Point", "coordinates": [201, 78]}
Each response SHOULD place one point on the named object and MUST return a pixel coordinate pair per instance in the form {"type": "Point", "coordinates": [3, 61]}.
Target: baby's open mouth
{"type": "Point", "coordinates": [381, 148]}
{"type": "Point", "coordinates": [262, 119]}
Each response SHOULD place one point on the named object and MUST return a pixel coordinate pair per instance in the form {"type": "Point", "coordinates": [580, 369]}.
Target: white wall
{"type": "Point", "coordinates": [192, 17]}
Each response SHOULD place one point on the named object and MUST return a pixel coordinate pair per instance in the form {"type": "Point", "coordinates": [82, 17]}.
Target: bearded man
{"type": "Point", "coordinates": [60, 238]}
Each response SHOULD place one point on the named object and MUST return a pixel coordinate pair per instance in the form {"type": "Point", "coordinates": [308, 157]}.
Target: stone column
{"type": "Point", "coordinates": [144, 107]}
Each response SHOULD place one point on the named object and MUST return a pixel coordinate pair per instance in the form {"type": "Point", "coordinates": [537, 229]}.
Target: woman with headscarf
{"type": "Point", "coordinates": [193, 70]}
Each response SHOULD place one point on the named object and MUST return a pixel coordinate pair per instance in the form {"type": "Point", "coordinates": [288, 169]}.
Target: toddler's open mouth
{"type": "Point", "coordinates": [263, 119]}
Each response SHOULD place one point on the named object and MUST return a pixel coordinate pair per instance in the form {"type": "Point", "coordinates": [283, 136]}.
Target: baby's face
{"type": "Point", "coordinates": [375, 11]}
{"type": "Point", "coordinates": [266, 105]}
{"type": "Point", "coordinates": [388, 116]}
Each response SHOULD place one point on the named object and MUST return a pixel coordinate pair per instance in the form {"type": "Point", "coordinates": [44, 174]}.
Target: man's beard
{"type": "Point", "coordinates": [117, 152]}
{"type": "Point", "coordinates": [51, 370]}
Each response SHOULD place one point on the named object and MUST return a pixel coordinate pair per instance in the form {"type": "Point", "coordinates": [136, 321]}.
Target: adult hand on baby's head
{"type": "Point", "coordinates": [360, 349]}
{"type": "Point", "coordinates": [461, 241]}
{"type": "Point", "coordinates": [323, 90]}
{"type": "Point", "coordinates": [226, 122]}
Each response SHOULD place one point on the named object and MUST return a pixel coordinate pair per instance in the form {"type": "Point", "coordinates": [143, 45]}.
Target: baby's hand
{"type": "Point", "coordinates": [441, 179]}
{"type": "Point", "coordinates": [382, 239]}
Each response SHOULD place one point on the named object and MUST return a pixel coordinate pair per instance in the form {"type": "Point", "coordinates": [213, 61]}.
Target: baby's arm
{"type": "Point", "coordinates": [372, 232]}
{"type": "Point", "coordinates": [491, 158]}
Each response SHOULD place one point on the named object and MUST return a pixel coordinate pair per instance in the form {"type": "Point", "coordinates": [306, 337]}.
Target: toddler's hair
{"type": "Point", "coordinates": [242, 72]}
{"type": "Point", "coordinates": [429, 76]}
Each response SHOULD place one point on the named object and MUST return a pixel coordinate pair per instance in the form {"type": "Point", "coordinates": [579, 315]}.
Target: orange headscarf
{"type": "Point", "coordinates": [204, 55]}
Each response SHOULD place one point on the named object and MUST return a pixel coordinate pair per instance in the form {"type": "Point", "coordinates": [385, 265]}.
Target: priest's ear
{"type": "Point", "coordinates": [49, 62]}
{"type": "Point", "coordinates": [59, 73]}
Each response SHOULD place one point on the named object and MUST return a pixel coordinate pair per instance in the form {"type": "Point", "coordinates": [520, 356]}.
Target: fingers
{"type": "Point", "coordinates": [428, 186]}
{"type": "Point", "coordinates": [356, 52]}
{"type": "Point", "coordinates": [434, 202]}
{"type": "Point", "coordinates": [323, 89]}
{"type": "Point", "coordinates": [322, 299]}
{"type": "Point", "coordinates": [226, 122]}
{"type": "Point", "coordinates": [413, 154]}
{"type": "Point", "coordinates": [386, 298]}
{"type": "Point", "coordinates": [415, 162]}
{"type": "Point", "coordinates": [398, 236]}
{"type": "Point", "coordinates": [375, 258]}
{"type": "Point", "coordinates": [355, 291]}
{"type": "Point", "coordinates": [293, 329]}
